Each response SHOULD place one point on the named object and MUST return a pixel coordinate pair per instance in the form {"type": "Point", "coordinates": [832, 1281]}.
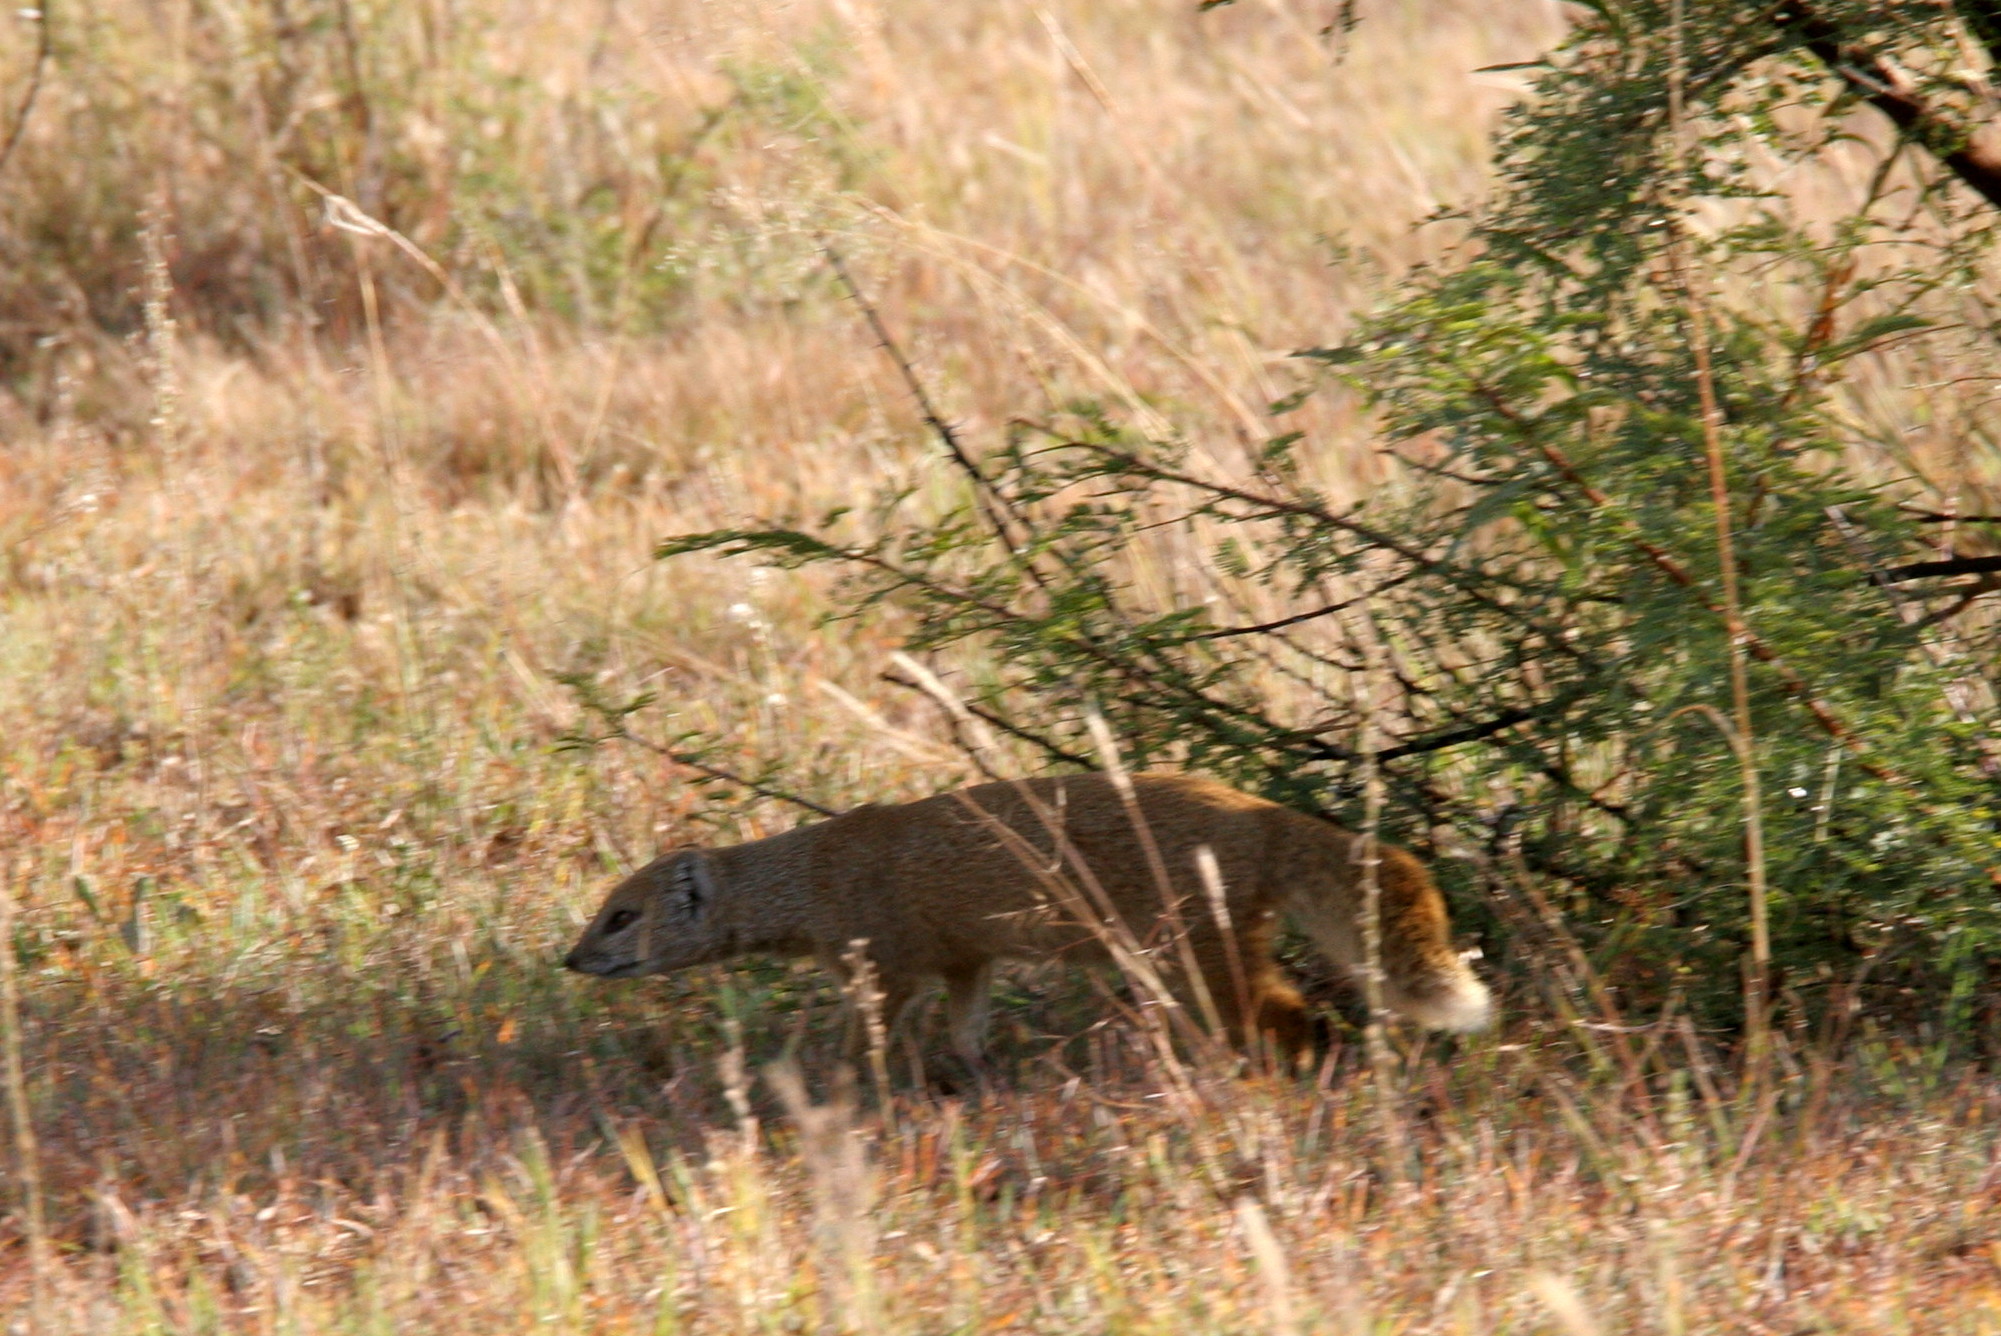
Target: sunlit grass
{"type": "Point", "coordinates": [287, 587]}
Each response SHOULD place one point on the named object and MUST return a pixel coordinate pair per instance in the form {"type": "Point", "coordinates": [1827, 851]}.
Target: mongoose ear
{"type": "Point", "coordinates": [693, 881]}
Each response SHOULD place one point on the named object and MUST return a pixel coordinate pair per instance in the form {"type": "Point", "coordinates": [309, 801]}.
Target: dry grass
{"type": "Point", "coordinates": [288, 570]}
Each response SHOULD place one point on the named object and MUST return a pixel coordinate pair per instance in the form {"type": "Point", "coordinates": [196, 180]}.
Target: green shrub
{"type": "Point", "coordinates": [1531, 617]}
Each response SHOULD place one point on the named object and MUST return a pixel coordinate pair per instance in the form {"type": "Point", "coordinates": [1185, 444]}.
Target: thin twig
{"type": "Point", "coordinates": [1913, 616]}
{"type": "Point", "coordinates": [621, 733]}
{"type": "Point", "coordinates": [1943, 517]}
{"type": "Point", "coordinates": [1083, 898]}
{"type": "Point", "coordinates": [1171, 920]}
{"type": "Point", "coordinates": [44, 52]}
{"type": "Point", "coordinates": [1368, 855]}
{"type": "Point", "coordinates": [997, 511]}
{"type": "Point", "coordinates": [1013, 730]}
{"type": "Point", "coordinates": [1211, 873]}
{"type": "Point", "coordinates": [1263, 628]}
{"type": "Point", "coordinates": [1479, 732]}
{"type": "Point", "coordinates": [1464, 579]}
{"type": "Point", "coordinates": [1113, 662]}
{"type": "Point", "coordinates": [1968, 594]}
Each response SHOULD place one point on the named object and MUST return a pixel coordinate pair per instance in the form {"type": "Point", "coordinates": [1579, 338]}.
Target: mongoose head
{"type": "Point", "coordinates": [660, 918]}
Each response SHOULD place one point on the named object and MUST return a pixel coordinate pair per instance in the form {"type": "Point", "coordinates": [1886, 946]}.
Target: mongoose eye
{"type": "Point", "coordinates": [621, 920]}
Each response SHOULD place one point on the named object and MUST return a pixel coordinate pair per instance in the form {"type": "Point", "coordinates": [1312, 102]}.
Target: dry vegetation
{"type": "Point", "coordinates": [299, 527]}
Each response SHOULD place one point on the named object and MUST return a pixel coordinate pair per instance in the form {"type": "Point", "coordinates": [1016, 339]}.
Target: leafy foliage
{"type": "Point", "coordinates": [1527, 629]}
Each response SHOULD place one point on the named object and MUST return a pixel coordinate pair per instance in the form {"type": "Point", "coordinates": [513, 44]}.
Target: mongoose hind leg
{"type": "Point", "coordinates": [1242, 975]}
{"type": "Point", "coordinates": [1282, 1021]}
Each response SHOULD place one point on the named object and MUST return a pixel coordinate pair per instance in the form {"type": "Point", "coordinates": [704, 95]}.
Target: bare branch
{"type": "Point", "coordinates": [1261, 628]}
{"type": "Point", "coordinates": [623, 734]}
{"type": "Point", "coordinates": [1926, 570]}
{"type": "Point", "coordinates": [1459, 576]}
{"type": "Point", "coordinates": [1921, 516]}
{"type": "Point", "coordinates": [1884, 85]}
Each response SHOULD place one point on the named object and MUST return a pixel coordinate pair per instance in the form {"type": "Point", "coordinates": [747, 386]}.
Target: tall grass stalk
{"type": "Point", "coordinates": [1272, 1269]}
{"type": "Point", "coordinates": [1073, 889]}
{"type": "Point", "coordinates": [167, 426]}
{"type": "Point", "coordinates": [865, 998]}
{"type": "Point", "coordinates": [27, 1149]}
{"type": "Point", "coordinates": [1177, 927]}
{"type": "Point", "coordinates": [1742, 738]}
{"type": "Point", "coordinates": [843, 1192]}
{"type": "Point", "coordinates": [1560, 1297]}
{"type": "Point", "coordinates": [1369, 858]}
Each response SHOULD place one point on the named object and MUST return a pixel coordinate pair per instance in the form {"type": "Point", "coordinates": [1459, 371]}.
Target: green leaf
{"type": "Point", "coordinates": [1873, 331]}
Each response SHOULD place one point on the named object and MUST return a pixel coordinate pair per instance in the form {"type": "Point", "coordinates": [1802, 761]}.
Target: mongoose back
{"type": "Point", "coordinates": [944, 888]}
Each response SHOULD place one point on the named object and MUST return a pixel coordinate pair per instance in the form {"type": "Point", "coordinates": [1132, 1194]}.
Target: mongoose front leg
{"type": "Point", "coordinates": [895, 993]}
{"type": "Point", "coordinates": [968, 994]}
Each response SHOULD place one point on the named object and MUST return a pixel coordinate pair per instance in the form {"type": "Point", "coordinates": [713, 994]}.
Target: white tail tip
{"type": "Point", "coordinates": [1463, 1004]}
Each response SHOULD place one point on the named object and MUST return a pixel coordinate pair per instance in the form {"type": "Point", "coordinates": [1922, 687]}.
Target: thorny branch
{"type": "Point", "coordinates": [1461, 578]}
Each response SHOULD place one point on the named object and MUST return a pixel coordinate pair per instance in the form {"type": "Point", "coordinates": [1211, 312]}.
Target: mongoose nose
{"type": "Point", "coordinates": [570, 962]}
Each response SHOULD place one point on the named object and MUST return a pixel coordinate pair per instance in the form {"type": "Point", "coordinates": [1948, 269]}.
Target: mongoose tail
{"type": "Point", "coordinates": [1424, 979]}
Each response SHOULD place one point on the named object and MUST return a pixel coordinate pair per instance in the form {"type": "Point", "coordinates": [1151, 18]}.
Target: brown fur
{"type": "Point", "coordinates": [944, 888]}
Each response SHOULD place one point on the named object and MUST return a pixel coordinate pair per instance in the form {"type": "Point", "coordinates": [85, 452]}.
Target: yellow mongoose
{"type": "Point", "coordinates": [946, 887]}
